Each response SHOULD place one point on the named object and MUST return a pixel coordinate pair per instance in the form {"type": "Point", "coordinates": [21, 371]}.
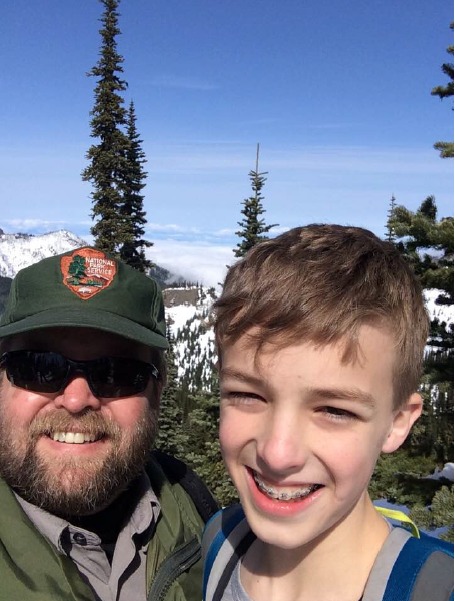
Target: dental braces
{"type": "Point", "coordinates": [283, 496]}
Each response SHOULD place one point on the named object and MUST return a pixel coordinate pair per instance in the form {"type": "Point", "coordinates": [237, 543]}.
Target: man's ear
{"type": "Point", "coordinates": [403, 421]}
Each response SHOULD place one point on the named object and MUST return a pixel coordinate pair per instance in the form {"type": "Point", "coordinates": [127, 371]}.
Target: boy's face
{"type": "Point", "coordinates": [301, 432]}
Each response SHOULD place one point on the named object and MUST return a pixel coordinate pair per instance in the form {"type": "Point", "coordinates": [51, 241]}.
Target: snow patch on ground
{"type": "Point", "coordinates": [445, 473]}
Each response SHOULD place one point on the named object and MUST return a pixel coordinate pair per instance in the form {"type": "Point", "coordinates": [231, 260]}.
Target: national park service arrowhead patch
{"type": "Point", "coordinates": [87, 271]}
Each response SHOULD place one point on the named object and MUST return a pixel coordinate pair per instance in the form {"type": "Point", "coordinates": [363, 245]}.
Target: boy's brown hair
{"type": "Point", "coordinates": [320, 283]}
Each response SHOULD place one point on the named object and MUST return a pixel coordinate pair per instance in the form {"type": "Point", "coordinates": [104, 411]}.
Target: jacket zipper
{"type": "Point", "coordinates": [172, 567]}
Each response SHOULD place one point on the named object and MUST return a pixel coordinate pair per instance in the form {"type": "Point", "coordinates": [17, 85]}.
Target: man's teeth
{"type": "Point", "coordinates": [73, 437]}
{"type": "Point", "coordinates": [285, 495]}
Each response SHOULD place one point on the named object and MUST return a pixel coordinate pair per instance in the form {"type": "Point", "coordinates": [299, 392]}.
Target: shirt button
{"type": "Point", "coordinates": [79, 539]}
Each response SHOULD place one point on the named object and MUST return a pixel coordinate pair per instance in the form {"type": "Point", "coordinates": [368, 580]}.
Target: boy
{"type": "Point", "coordinates": [320, 336]}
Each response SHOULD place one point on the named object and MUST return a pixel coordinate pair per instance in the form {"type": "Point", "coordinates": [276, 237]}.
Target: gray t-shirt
{"type": "Point", "coordinates": [376, 584]}
{"type": "Point", "coordinates": [234, 590]}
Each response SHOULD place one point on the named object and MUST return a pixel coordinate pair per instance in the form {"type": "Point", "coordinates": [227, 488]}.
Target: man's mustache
{"type": "Point", "coordinates": [87, 422]}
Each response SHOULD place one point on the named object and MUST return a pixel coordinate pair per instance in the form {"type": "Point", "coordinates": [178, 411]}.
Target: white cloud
{"type": "Point", "coordinates": [224, 232]}
{"type": "Point", "coordinates": [170, 228]}
{"type": "Point", "coordinates": [40, 225]}
{"type": "Point", "coordinates": [198, 262]}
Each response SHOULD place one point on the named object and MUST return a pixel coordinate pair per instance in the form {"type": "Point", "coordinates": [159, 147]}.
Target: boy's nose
{"type": "Point", "coordinates": [282, 445]}
{"type": "Point", "coordinates": [77, 396]}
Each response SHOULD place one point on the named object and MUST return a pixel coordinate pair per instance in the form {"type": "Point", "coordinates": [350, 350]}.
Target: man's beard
{"type": "Point", "coordinates": [69, 486]}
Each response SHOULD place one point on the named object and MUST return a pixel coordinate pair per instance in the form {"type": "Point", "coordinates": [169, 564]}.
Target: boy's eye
{"type": "Point", "coordinates": [337, 414]}
{"type": "Point", "coordinates": [236, 397]}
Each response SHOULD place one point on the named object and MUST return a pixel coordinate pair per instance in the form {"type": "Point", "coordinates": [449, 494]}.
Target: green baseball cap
{"type": "Point", "coordinates": [86, 288]}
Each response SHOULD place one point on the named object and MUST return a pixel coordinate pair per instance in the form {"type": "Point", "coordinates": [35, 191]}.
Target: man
{"type": "Point", "coordinates": [87, 511]}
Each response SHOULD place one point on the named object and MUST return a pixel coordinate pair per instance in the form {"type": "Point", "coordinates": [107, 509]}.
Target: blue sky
{"type": "Point", "coordinates": [337, 94]}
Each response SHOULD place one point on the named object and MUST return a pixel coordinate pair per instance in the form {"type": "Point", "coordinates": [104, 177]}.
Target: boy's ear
{"type": "Point", "coordinates": [403, 421]}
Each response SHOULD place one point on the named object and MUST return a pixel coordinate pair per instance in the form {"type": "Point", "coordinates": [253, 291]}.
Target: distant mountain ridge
{"type": "Point", "coordinates": [21, 250]}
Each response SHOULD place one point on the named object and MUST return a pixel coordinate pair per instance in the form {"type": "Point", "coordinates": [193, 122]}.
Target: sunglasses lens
{"type": "Point", "coordinates": [117, 377]}
{"type": "Point", "coordinates": [50, 372]}
{"type": "Point", "coordinates": [40, 372]}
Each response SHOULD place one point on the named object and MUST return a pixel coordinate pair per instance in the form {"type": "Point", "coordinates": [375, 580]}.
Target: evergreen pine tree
{"type": "Point", "coordinates": [203, 453]}
{"type": "Point", "coordinates": [428, 245]}
{"type": "Point", "coordinates": [108, 160]}
{"type": "Point", "coordinates": [390, 234]}
{"type": "Point", "coordinates": [252, 226]}
{"type": "Point", "coordinates": [171, 437]}
{"type": "Point", "coordinates": [131, 211]}
{"type": "Point", "coordinates": [445, 91]}
{"type": "Point", "coordinates": [438, 514]}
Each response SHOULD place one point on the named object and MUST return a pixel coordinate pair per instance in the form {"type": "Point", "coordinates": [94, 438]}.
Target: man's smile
{"type": "Point", "coordinates": [74, 437]}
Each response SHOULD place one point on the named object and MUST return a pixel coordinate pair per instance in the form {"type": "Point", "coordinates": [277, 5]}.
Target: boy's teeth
{"type": "Point", "coordinates": [283, 495]}
{"type": "Point", "coordinates": [73, 437]}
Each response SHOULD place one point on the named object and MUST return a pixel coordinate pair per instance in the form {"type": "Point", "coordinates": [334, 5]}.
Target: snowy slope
{"type": "Point", "coordinates": [441, 312]}
{"type": "Point", "coordinates": [19, 250]}
{"type": "Point", "coordinates": [194, 340]}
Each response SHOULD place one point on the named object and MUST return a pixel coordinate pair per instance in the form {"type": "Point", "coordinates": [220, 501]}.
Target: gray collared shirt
{"type": "Point", "coordinates": [125, 579]}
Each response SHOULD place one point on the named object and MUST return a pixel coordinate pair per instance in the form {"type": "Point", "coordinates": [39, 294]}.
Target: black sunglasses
{"type": "Point", "coordinates": [43, 371]}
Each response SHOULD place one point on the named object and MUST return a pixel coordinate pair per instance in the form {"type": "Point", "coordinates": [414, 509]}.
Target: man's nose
{"type": "Point", "coordinates": [77, 396]}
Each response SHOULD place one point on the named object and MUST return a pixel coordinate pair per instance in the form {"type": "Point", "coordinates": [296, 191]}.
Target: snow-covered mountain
{"type": "Point", "coordinates": [21, 250]}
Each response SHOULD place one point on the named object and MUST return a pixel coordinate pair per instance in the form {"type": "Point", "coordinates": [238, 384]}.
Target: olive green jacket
{"type": "Point", "coordinates": [31, 569]}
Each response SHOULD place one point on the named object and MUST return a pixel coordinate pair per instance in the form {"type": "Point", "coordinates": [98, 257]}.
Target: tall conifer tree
{"type": "Point", "coordinates": [427, 243]}
{"type": "Point", "coordinates": [132, 208]}
{"type": "Point", "coordinates": [252, 226]}
{"type": "Point", "coordinates": [115, 161]}
{"type": "Point", "coordinates": [171, 436]}
{"type": "Point", "coordinates": [390, 233]}
{"type": "Point", "coordinates": [445, 91]}
{"type": "Point", "coordinates": [107, 157]}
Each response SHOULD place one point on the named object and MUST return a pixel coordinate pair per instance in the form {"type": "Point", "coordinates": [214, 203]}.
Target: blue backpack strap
{"type": "Point", "coordinates": [422, 571]}
{"type": "Point", "coordinates": [226, 538]}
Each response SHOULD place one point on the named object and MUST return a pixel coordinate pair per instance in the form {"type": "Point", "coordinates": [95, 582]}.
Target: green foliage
{"type": "Point", "coordinates": [445, 91]}
{"type": "Point", "coordinates": [252, 226]}
{"type": "Point", "coordinates": [204, 454]}
{"type": "Point", "coordinates": [115, 161]}
{"type": "Point", "coordinates": [438, 514]}
{"type": "Point", "coordinates": [445, 149]}
{"type": "Point", "coordinates": [390, 232]}
{"type": "Point", "coordinates": [427, 243]}
{"type": "Point", "coordinates": [399, 478]}
{"type": "Point", "coordinates": [172, 437]}
{"type": "Point", "coordinates": [432, 435]}
{"type": "Point", "coordinates": [132, 212]}
{"type": "Point", "coordinates": [108, 157]}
